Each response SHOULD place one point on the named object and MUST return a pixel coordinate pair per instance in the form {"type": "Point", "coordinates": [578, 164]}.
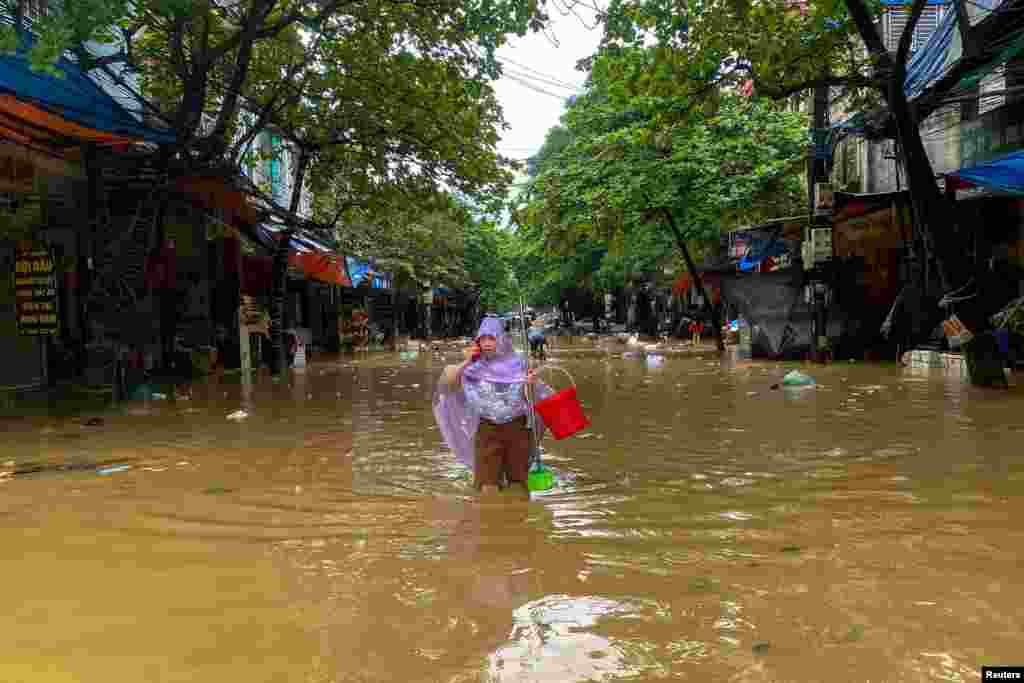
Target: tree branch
{"type": "Point", "coordinates": [868, 31]}
{"type": "Point", "coordinates": [963, 21]}
{"type": "Point", "coordinates": [907, 38]}
{"type": "Point", "coordinates": [849, 81]}
{"type": "Point", "coordinates": [273, 29]}
{"type": "Point", "coordinates": [239, 74]}
{"type": "Point", "coordinates": [300, 177]}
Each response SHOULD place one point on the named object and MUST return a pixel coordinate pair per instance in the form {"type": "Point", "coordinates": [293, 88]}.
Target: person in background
{"type": "Point", "coordinates": [291, 342]}
{"type": "Point", "coordinates": [538, 341]}
{"type": "Point", "coordinates": [481, 408]}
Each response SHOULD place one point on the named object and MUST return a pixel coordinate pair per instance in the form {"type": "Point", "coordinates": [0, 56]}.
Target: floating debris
{"type": "Point", "coordinates": [795, 378]}
{"type": "Point", "coordinates": [238, 415]}
{"type": "Point", "coordinates": [113, 469]}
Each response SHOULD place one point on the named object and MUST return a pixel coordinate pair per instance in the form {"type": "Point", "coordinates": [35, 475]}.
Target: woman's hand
{"type": "Point", "coordinates": [472, 352]}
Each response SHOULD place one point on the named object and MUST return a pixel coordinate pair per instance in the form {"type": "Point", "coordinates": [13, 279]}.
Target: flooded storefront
{"type": "Point", "coordinates": [706, 527]}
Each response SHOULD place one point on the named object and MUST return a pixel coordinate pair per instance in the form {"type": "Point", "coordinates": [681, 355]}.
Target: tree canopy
{"type": "Point", "coordinates": [379, 91]}
{"type": "Point", "coordinates": [620, 161]}
{"type": "Point", "coordinates": [783, 47]}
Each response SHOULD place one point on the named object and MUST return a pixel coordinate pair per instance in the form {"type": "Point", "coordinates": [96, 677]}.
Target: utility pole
{"type": "Point", "coordinates": [817, 170]}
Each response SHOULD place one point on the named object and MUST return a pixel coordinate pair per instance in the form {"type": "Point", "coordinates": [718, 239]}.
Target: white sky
{"type": "Point", "coordinates": [547, 58]}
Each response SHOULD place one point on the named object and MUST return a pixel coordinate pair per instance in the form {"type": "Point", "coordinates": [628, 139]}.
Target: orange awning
{"type": "Point", "coordinates": [215, 193]}
{"type": "Point", "coordinates": [329, 268]}
{"type": "Point", "coordinates": [35, 127]}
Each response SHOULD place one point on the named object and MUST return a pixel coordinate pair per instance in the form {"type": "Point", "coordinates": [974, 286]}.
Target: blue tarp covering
{"type": "Point", "coordinates": [75, 97]}
{"type": "Point", "coordinates": [930, 62]}
{"type": "Point", "coordinates": [301, 242]}
{"type": "Point", "coordinates": [1002, 175]}
{"type": "Point", "coordinates": [761, 249]}
{"type": "Point", "coordinates": [941, 52]}
{"type": "Point", "coordinates": [359, 271]}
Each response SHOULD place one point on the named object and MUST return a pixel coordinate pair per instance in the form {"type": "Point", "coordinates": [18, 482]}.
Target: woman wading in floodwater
{"type": "Point", "coordinates": [482, 410]}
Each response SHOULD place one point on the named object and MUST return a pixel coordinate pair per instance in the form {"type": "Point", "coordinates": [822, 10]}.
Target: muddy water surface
{"type": "Point", "coordinates": [706, 528]}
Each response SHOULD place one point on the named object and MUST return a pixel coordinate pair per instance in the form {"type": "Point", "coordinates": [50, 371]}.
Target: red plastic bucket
{"type": "Point", "coordinates": [562, 413]}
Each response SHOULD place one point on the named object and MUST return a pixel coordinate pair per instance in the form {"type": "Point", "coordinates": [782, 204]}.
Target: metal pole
{"type": "Point", "coordinates": [530, 421]}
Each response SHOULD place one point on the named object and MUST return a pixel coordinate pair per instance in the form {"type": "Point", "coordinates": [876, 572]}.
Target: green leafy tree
{"type": "Point", "coordinates": [640, 165]}
{"type": "Point", "coordinates": [785, 47]}
{"type": "Point", "coordinates": [77, 23]}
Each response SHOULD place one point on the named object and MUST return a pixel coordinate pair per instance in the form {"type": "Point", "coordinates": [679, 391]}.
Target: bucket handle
{"type": "Point", "coordinates": [555, 367]}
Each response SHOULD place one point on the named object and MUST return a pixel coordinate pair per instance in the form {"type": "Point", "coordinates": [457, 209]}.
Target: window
{"type": "Point", "coordinates": [995, 82]}
{"type": "Point", "coordinates": [896, 20]}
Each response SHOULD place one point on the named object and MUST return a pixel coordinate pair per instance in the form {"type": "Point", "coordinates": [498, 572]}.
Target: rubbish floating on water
{"type": "Point", "coordinates": [159, 397]}
{"type": "Point", "coordinates": [761, 648]}
{"type": "Point", "coordinates": [94, 422]}
{"type": "Point", "coordinates": [114, 468]}
{"type": "Point", "coordinates": [795, 378]}
{"type": "Point", "coordinates": [141, 392]}
{"type": "Point", "coordinates": [408, 355]}
{"type": "Point", "coordinates": [238, 415]}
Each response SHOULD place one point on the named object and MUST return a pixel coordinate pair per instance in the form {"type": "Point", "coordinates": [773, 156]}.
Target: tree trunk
{"type": "Point", "coordinates": [278, 286]}
{"type": "Point", "coordinates": [279, 272]}
{"type": "Point", "coordinates": [698, 282]}
{"type": "Point", "coordinates": [934, 219]}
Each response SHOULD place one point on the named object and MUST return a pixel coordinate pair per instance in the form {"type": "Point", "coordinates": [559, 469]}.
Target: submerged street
{"type": "Point", "coordinates": [707, 527]}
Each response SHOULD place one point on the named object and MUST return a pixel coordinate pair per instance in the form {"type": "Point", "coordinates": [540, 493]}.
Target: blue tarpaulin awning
{"type": "Point", "coordinates": [358, 270]}
{"type": "Point", "coordinates": [1005, 174]}
{"type": "Point", "coordinates": [74, 97]}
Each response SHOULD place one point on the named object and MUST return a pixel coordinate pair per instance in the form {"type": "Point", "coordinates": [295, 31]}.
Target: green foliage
{"type": "Point", "coordinates": [620, 160]}
{"type": "Point", "coordinates": [380, 92]}
{"type": "Point", "coordinates": [430, 238]}
{"type": "Point", "coordinates": [487, 251]}
{"type": "Point", "coordinates": [77, 23]}
{"type": "Point", "coordinates": [782, 47]}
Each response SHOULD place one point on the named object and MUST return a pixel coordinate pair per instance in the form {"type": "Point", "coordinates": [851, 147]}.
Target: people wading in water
{"type": "Point", "coordinates": [482, 410]}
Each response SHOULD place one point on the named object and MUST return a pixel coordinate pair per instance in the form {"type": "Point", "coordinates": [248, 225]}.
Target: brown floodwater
{"type": "Point", "coordinates": [706, 527]}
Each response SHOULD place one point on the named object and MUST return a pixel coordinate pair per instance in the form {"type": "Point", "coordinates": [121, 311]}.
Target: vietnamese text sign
{"type": "Point", "coordinates": [35, 290]}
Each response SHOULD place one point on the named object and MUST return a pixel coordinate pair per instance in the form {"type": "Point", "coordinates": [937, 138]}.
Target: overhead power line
{"type": "Point", "coordinates": [539, 81]}
{"type": "Point", "coordinates": [532, 86]}
{"type": "Point", "coordinates": [546, 76]}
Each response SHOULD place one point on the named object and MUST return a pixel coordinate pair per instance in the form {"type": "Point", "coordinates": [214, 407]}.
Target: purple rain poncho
{"type": "Point", "coordinates": [456, 417]}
